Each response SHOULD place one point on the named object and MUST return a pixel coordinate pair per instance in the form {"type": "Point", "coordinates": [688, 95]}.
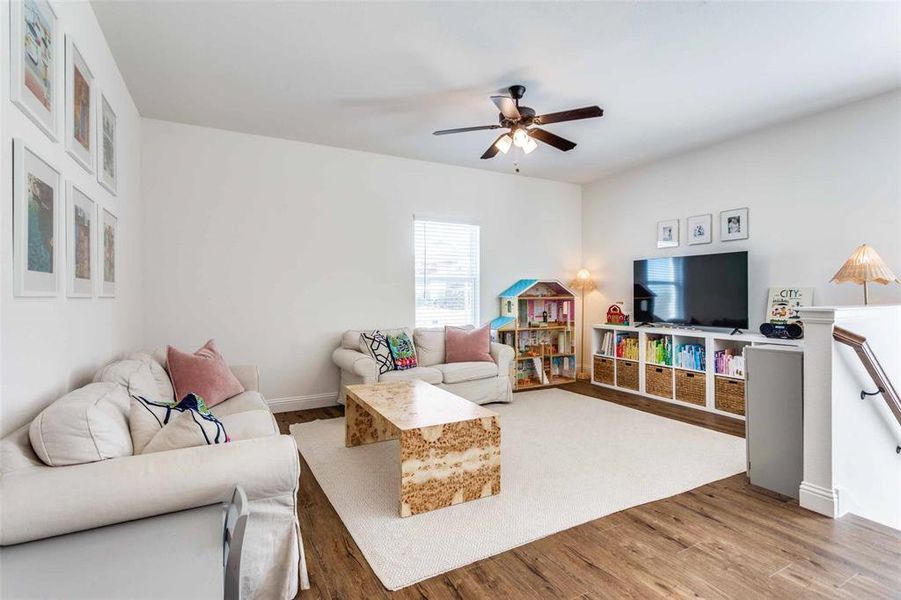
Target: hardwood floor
{"type": "Point", "coordinates": [726, 539]}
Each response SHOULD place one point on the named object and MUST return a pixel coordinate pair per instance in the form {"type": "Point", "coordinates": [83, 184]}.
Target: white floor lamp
{"type": "Point", "coordinates": [583, 283]}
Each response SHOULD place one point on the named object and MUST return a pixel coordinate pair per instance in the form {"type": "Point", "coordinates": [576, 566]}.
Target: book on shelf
{"type": "Point", "coordinates": [607, 342]}
{"type": "Point", "coordinates": [659, 351]}
{"type": "Point", "coordinates": [729, 362]}
{"type": "Point", "coordinates": [691, 356]}
{"type": "Point", "coordinates": [627, 347]}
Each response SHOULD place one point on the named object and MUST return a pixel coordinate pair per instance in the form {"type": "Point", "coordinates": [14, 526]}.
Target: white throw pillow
{"type": "Point", "coordinates": [166, 393]}
{"type": "Point", "coordinates": [187, 424]}
{"type": "Point", "coordinates": [429, 342]}
{"type": "Point", "coordinates": [85, 425]}
{"type": "Point", "coordinates": [145, 419]}
{"type": "Point", "coordinates": [134, 374]}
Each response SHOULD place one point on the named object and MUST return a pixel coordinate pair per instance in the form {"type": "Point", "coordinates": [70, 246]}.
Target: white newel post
{"type": "Point", "coordinates": [817, 492]}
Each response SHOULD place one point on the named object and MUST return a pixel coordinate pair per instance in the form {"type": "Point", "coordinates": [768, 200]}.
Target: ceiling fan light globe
{"type": "Point", "coordinates": [529, 145]}
{"type": "Point", "coordinates": [520, 137]}
{"type": "Point", "coordinates": [503, 144]}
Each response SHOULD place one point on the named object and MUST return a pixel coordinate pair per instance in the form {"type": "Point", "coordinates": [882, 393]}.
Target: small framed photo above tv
{"type": "Point", "coordinates": [668, 233]}
{"type": "Point", "coordinates": [734, 224]}
{"type": "Point", "coordinates": [700, 229]}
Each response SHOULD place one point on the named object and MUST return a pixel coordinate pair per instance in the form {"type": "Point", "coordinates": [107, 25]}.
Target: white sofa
{"type": "Point", "coordinates": [479, 382]}
{"type": "Point", "coordinates": [38, 501]}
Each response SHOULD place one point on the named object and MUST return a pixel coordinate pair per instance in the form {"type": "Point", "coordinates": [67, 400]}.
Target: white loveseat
{"type": "Point", "coordinates": [479, 382]}
{"type": "Point", "coordinates": [39, 501]}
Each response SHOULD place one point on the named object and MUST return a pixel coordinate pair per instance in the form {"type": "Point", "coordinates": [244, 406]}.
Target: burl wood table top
{"type": "Point", "coordinates": [414, 404]}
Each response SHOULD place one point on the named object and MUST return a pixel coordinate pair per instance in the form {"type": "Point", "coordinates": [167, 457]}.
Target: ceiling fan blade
{"type": "Point", "coordinates": [465, 129]}
{"type": "Point", "coordinates": [492, 150]}
{"type": "Point", "coordinates": [507, 106]}
{"type": "Point", "coordinates": [551, 139]}
{"type": "Point", "coordinates": [589, 112]}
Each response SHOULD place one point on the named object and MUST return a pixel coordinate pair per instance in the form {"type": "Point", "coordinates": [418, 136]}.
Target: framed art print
{"type": "Point", "coordinates": [700, 229]}
{"type": "Point", "coordinates": [79, 116]}
{"type": "Point", "coordinates": [668, 233]}
{"type": "Point", "coordinates": [107, 165]}
{"type": "Point", "coordinates": [108, 247]}
{"type": "Point", "coordinates": [36, 187]}
{"type": "Point", "coordinates": [81, 214]}
{"type": "Point", "coordinates": [33, 60]}
{"type": "Point", "coordinates": [734, 224]}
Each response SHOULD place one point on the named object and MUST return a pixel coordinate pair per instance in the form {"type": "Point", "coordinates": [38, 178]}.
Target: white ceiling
{"type": "Point", "coordinates": [381, 77]}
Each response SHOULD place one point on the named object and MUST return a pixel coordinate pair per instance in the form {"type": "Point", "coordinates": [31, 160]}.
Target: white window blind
{"type": "Point", "coordinates": [447, 273]}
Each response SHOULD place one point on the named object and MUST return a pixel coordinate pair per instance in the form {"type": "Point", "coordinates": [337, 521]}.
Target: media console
{"type": "Point", "coordinates": [690, 367]}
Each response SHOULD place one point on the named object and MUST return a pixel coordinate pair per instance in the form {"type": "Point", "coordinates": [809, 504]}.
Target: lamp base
{"type": "Point", "coordinates": [583, 375]}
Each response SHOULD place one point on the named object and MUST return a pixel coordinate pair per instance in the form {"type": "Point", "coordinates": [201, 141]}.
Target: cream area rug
{"type": "Point", "coordinates": [565, 459]}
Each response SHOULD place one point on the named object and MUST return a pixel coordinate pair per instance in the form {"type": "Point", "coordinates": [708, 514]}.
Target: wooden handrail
{"type": "Point", "coordinates": [871, 364]}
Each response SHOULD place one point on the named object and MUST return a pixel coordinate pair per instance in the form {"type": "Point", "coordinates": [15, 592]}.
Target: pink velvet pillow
{"type": "Point", "coordinates": [467, 345]}
{"type": "Point", "coordinates": [203, 373]}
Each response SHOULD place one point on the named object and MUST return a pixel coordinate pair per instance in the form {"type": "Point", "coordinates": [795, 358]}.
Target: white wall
{"type": "Point", "coordinates": [52, 345]}
{"type": "Point", "coordinates": [850, 463]}
{"type": "Point", "coordinates": [816, 188]}
{"type": "Point", "coordinates": [275, 247]}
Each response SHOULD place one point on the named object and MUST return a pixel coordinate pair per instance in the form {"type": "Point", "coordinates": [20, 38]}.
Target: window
{"type": "Point", "coordinates": [447, 273]}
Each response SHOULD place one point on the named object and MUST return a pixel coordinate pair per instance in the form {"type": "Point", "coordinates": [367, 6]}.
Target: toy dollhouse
{"type": "Point", "coordinates": [538, 321]}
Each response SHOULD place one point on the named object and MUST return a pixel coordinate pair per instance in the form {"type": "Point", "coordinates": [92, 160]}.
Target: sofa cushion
{"type": "Point", "coordinates": [466, 371]}
{"type": "Point", "coordinates": [134, 374]}
{"type": "Point", "coordinates": [243, 402]}
{"type": "Point", "coordinates": [249, 424]}
{"type": "Point", "coordinates": [204, 373]}
{"type": "Point", "coordinates": [85, 425]}
{"type": "Point", "coordinates": [429, 342]}
{"type": "Point", "coordinates": [402, 351]}
{"type": "Point", "coordinates": [160, 375]}
{"type": "Point", "coordinates": [375, 345]}
{"type": "Point", "coordinates": [187, 424]}
{"type": "Point", "coordinates": [427, 374]}
{"type": "Point", "coordinates": [468, 345]}
{"type": "Point", "coordinates": [145, 419]}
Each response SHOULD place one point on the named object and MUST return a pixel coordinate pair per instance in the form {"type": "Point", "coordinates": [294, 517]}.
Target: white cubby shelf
{"type": "Point", "coordinates": [701, 388]}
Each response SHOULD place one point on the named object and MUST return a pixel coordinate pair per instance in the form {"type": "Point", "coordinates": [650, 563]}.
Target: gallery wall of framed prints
{"type": "Point", "coordinates": [65, 233]}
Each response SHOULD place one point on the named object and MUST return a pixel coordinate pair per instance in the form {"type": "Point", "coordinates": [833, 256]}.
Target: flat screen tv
{"type": "Point", "coordinates": [705, 290]}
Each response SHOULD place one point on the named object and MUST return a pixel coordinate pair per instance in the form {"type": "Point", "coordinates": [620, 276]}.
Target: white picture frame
{"type": "Point", "coordinates": [699, 229]}
{"type": "Point", "coordinates": [80, 135]}
{"type": "Point", "coordinates": [734, 224]}
{"type": "Point", "coordinates": [34, 56]}
{"type": "Point", "coordinates": [668, 233]}
{"type": "Point", "coordinates": [107, 252]}
{"type": "Point", "coordinates": [107, 145]}
{"type": "Point", "coordinates": [81, 241]}
{"type": "Point", "coordinates": [36, 212]}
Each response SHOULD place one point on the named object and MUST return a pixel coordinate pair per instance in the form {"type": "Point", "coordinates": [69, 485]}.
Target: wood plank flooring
{"type": "Point", "coordinates": [726, 539]}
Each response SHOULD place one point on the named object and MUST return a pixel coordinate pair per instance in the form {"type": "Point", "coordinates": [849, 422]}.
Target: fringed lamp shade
{"type": "Point", "coordinates": [583, 281]}
{"type": "Point", "coordinates": [863, 267]}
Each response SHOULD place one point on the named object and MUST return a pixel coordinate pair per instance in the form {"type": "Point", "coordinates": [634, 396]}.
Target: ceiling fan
{"type": "Point", "coordinates": [522, 124]}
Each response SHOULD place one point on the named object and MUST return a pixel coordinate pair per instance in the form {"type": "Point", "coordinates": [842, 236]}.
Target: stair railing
{"type": "Point", "coordinates": [884, 386]}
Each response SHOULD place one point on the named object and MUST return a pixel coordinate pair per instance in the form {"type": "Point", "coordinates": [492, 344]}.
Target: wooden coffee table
{"type": "Point", "coordinates": [450, 448]}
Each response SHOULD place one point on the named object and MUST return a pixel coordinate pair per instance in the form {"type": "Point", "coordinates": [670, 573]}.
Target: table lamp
{"type": "Point", "coordinates": [864, 266]}
{"type": "Point", "coordinates": [583, 283]}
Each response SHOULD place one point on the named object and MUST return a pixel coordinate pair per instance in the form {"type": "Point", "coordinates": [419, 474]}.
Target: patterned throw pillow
{"type": "Point", "coordinates": [376, 346]}
{"type": "Point", "coordinates": [402, 351]}
{"type": "Point", "coordinates": [158, 426]}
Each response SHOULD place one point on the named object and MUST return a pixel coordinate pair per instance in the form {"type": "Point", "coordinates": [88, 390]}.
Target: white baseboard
{"type": "Point", "coordinates": [280, 405]}
{"type": "Point", "coordinates": [819, 499]}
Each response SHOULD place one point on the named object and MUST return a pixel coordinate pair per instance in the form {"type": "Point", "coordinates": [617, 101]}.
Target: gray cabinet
{"type": "Point", "coordinates": [774, 405]}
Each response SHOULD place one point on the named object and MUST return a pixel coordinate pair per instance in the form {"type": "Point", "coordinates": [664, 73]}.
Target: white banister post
{"type": "Point", "coordinates": [818, 492]}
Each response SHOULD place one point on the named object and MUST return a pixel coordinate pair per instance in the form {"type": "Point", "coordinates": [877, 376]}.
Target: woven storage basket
{"type": "Point", "coordinates": [603, 370]}
{"type": "Point", "coordinates": [627, 374]}
{"type": "Point", "coordinates": [691, 387]}
{"type": "Point", "coordinates": [658, 381]}
{"type": "Point", "coordinates": [730, 395]}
